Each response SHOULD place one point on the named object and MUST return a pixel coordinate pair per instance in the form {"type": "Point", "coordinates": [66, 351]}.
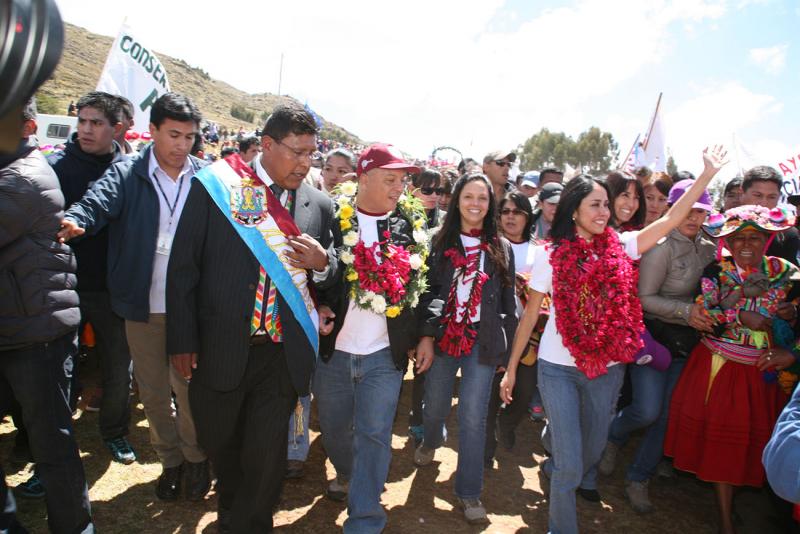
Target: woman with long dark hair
{"type": "Point", "coordinates": [595, 324]}
{"type": "Point", "coordinates": [626, 202]}
{"type": "Point", "coordinates": [470, 296]}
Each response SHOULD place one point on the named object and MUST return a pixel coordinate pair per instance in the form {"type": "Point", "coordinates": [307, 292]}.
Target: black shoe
{"type": "Point", "coordinates": [294, 469]}
{"type": "Point", "coordinates": [223, 520]}
{"type": "Point", "coordinates": [198, 480]}
{"type": "Point", "coordinates": [506, 437]}
{"type": "Point", "coordinates": [591, 495]}
{"type": "Point", "coordinates": [168, 485]}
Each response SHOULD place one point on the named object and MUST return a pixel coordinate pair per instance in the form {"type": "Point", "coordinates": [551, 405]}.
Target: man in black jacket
{"type": "Point", "coordinates": [87, 155]}
{"type": "Point", "coordinates": [141, 200]}
{"type": "Point", "coordinates": [246, 372]}
{"type": "Point", "coordinates": [39, 317]}
{"type": "Point", "coordinates": [357, 384]}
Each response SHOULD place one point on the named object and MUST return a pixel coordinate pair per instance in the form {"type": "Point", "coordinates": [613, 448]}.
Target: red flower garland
{"type": "Point", "coordinates": [603, 322]}
{"type": "Point", "coordinates": [459, 336]}
{"type": "Point", "coordinates": [388, 278]}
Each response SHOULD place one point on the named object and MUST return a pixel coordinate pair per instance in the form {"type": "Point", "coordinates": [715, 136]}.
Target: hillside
{"type": "Point", "coordinates": [83, 59]}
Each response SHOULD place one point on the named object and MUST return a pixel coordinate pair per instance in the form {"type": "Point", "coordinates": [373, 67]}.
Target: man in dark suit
{"type": "Point", "coordinates": [246, 376]}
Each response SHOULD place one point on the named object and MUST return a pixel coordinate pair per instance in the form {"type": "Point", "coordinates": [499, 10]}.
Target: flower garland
{"type": "Point", "coordinates": [603, 322]}
{"type": "Point", "coordinates": [459, 335]}
{"type": "Point", "coordinates": [397, 281]}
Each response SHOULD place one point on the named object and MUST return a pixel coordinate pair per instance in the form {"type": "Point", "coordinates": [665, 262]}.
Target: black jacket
{"type": "Point", "coordinates": [403, 328]}
{"type": "Point", "coordinates": [126, 200]}
{"type": "Point", "coordinates": [211, 290]}
{"type": "Point", "coordinates": [38, 302]}
{"type": "Point", "coordinates": [498, 321]}
{"type": "Point", "coordinates": [77, 171]}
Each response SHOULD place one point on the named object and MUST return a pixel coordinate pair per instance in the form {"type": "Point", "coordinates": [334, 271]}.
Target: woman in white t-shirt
{"type": "Point", "coordinates": [595, 325]}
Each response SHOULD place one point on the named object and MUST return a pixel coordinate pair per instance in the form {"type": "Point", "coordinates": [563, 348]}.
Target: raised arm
{"type": "Point", "coordinates": [713, 161]}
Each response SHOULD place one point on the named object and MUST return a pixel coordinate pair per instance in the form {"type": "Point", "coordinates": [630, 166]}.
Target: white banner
{"type": "Point", "coordinates": [134, 71]}
{"type": "Point", "coordinates": [790, 170]}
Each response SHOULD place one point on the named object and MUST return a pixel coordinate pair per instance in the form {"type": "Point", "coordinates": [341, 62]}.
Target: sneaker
{"type": "Point", "coordinates": [294, 469]}
{"type": "Point", "coordinates": [609, 459]}
{"type": "Point", "coordinates": [93, 402]}
{"type": "Point", "coordinates": [337, 490]}
{"type": "Point", "coordinates": [637, 495]}
{"type": "Point", "coordinates": [665, 469]}
{"type": "Point", "coordinates": [121, 450]}
{"type": "Point", "coordinates": [423, 455]}
{"type": "Point", "coordinates": [417, 432]}
{"type": "Point", "coordinates": [474, 512]}
{"type": "Point", "coordinates": [591, 495]}
{"type": "Point", "coordinates": [537, 413]}
{"type": "Point", "coordinates": [31, 488]}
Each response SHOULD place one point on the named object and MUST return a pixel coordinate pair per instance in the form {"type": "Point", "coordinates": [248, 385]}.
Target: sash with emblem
{"type": "Point", "coordinates": [263, 224]}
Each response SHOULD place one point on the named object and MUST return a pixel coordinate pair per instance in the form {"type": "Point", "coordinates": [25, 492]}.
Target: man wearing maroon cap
{"type": "Point", "coordinates": [357, 382]}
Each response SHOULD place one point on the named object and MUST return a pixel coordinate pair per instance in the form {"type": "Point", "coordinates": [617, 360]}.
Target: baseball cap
{"type": "Point", "coordinates": [677, 191]}
{"type": "Point", "coordinates": [383, 156]}
{"type": "Point", "coordinates": [497, 155]}
{"type": "Point", "coordinates": [530, 178]}
{"type": "Point", "coordinates": [551, 192]}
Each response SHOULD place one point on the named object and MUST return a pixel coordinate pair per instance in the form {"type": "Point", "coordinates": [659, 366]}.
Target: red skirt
{"type": "Point", "coordinates": [721, 439]}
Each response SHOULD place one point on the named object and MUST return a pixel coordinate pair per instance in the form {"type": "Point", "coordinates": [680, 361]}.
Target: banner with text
{"type": "Point", "coordinates": [133, 71]}
{"type": "Point", "coordinates": [789, 168]}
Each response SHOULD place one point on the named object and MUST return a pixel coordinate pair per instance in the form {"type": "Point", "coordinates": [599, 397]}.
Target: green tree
{"type": "Point", "coordinates": [596, 150]}
{"type": "Point", "coordinates": [546, 148]}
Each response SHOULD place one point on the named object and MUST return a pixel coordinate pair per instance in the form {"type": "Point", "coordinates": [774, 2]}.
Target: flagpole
{"type": "Point", "coordinates": [280, 75]}
{"type": "Point", "coordinates": [633, 147]}
{"type": "Point", "coordinates": [652, 123]}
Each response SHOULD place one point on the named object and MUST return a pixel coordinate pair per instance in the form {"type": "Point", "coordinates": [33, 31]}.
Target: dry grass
{"type": "Point", "coordinates": [418, 500]}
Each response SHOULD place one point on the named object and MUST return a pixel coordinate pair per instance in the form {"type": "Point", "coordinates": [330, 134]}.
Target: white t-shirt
{"type": "Point", "coordinates": [464, 286]}
{"type": "Point", "coordinates": [524, 254]}
{"type": "Point", "coordinates": [364, 332]}
{"type": "Point", "coordinates": [551, 346]}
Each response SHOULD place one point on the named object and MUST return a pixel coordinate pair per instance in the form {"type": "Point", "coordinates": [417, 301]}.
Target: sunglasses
{"type": "Point", "coordinates": [502, 163]}
{"type": "Point", "coordinates": [511, 211]}
{"type": "Point", "coordinates": [432, 190]}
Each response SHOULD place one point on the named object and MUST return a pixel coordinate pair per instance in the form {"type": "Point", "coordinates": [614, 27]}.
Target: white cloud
{"type": "Point", "coordinates": [772, 59]}
{"type": "Point", "coordinates": [713, 116]}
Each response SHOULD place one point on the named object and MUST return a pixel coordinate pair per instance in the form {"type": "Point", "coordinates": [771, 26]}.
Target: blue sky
{"type": "Point", "coordinates": [479, 75]}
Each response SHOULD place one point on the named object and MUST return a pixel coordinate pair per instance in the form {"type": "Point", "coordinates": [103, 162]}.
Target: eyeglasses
{"type": "Point", "coordinates": [432, 190]}
{"type": "Point", "coordinates": [298, 154]}
{"type": "Point", "coordinates": [502, 163]}
{"type": "Point", "coordinates": [511, 211]}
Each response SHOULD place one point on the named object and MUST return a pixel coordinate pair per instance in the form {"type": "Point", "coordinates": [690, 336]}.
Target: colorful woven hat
{"type": "Point", "coordinates": [758, 217]}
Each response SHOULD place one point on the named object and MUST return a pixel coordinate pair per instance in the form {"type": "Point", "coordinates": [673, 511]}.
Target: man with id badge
{"type": "Point", "coordinates": [141, 201]}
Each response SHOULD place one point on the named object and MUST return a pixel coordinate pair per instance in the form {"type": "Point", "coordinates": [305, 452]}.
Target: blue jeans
{"type": "Point", "coordinates": [652, 391]}
{"type": "Point", "coordinates": [299, 442]}
{"type": "Point", "coordinates": [579, 412]}
{"type": "Point", "coordinates": [116, 369]}
{"type": "Point", "coordinates": [357, 398]}
{"type": "Point", "coordinates": [473, 403]}
{"type": "Point", "coordinates": [38, 377]}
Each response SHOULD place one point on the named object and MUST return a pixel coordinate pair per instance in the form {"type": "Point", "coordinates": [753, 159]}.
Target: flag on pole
{"type": "Point", "coordinates": [133, 71]}
{"type": "Point", "coordinates": [311, 112]}
{"type": "Point", "coordinates": [632, 161]}
{"type": "Point", "coordinates": [654, 147]}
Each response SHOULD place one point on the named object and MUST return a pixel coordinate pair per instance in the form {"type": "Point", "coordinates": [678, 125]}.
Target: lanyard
{"type": "Point", "coordinates": [166, 201]}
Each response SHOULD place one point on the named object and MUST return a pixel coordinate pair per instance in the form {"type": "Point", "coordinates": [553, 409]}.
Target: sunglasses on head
{"type": "Point", "coordinates": [511, 211]}
{"type": "Point", "coordinates": [502, 163]}
{"type": "Point", "coordinates": [432, 190]}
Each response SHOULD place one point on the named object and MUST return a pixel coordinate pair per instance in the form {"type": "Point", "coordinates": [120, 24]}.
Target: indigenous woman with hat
{"type": "Point", "coordinates": [595, 324]}
{"type": "Point", "coordinates": [467, 316]}
{"type": "Point", "coordinates": [668, 280]}
{"type": "Point", "coordinates": [727, 399]}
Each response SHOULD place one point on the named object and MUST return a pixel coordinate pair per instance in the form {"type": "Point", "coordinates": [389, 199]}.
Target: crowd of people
{"type": "Point", "coordinates": [292, 271]}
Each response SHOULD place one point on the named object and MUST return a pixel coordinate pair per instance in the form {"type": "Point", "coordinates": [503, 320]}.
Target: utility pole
{"type": "Point", "coordinates": [280, 75]}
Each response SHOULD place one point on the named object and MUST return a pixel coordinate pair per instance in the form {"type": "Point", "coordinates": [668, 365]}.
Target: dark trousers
{"type": "Point", "coordinates": [243, 432]}
{"type": "Point", "coordinates": [8, 514]}
{"type": "Point", "coordinates": [417, 394]}
{"type": "Point", "coordinates": [38, 377]}
{"type": "Point", "coordinates": [115, 362]}
{"type": "Point", "coordinates": [511, 415]}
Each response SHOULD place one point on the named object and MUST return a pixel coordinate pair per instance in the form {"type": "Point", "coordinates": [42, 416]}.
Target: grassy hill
{"type": "Point", "coordinates": [83, 59]}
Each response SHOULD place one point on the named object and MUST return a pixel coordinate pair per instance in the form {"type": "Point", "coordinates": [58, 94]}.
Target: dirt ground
{"type": "Point", "coordinates": [417, 500]}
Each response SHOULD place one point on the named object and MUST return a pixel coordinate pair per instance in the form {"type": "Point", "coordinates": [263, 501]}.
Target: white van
{"type": "Point", "coordinates": [55, 129]}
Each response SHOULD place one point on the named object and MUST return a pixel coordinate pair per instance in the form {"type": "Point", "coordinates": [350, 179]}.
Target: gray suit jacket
{"type": "Point", "coordinates": [211, 287]}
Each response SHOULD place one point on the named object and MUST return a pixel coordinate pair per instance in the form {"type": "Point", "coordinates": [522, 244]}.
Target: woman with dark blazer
{"type": "Point", "coordinates": [467, 321]}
